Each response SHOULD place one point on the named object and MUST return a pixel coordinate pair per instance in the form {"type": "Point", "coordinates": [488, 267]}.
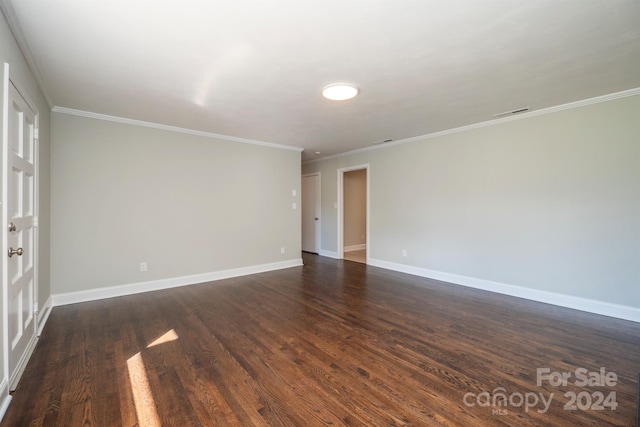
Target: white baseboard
{"type": "Point", "coordinates": [22, 364]}
{"type": "Point", "coordinates": [329, 254]}
{"type": "Point", "coordinates": [568, 301]}
{"type": "Point", "coordinates": [6, 397]}
{"type": "Point", "coordinates": [352, 248]}
{"type": "Point", "coordinates": [43, 315]}
{"type": "Point", "coordinates": [154, 285]}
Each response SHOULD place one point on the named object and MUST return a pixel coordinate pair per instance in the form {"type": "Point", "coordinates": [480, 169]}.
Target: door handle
{"type": "Point", "coordinates": [13, 252]}
{"type": "Point", "coordinates": [316, 219]}
{"type": "Point", "coordinates": [12, 227]}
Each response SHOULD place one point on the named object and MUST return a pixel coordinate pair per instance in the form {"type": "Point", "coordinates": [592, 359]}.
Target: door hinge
{"type": "Point", "coordinates": [35, 308]}
{"type": "Point", "coordinates": [35, 221]}
{"type": "Point", "coordinates": [36, 133]}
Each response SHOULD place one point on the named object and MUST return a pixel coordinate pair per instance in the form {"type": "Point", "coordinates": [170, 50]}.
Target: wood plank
{"type": "Point", "coordinates": [330, 343]}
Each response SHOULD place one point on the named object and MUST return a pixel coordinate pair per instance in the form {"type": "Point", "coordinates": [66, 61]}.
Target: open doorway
{"type": "Point", "coordinates": [353, 216]}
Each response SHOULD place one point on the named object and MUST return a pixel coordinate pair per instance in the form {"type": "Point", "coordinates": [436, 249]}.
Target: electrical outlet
{"type": "Point", "coordinates": [404, 252]}
{"type": "Point", "coordinates": [282, 250]}
{"type": "Point", "coordinates": [143, 266]}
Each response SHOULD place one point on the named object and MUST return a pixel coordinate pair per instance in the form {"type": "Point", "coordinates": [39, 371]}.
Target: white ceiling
{"type": "Point", "coordinates": [255, 69]}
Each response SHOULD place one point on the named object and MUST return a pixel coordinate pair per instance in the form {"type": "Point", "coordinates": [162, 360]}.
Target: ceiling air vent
{"type": "Point", "coordinates": [511, 113]}
{"type": "Point", "coordinates": [382, 142]}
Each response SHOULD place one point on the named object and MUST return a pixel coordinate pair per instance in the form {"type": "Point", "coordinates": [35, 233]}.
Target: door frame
{"type": "Point", "coordinates": [340, 203]}
{"type": "Point", "coordinates": [13, 377]}
{"type": "Point", "coordinates": [318, 207]}
{"type": "Point", "coordinates": [4, 382]}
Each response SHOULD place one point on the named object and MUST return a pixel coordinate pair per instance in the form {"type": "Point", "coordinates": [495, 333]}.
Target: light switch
{"type": "Point", "coordinates": [294, 205]}
{"type": "Point", "coordinates": [294, 193]}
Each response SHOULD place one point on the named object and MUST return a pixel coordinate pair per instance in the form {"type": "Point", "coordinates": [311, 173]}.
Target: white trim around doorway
{"type": "Point", "coordinates": [340, 222]}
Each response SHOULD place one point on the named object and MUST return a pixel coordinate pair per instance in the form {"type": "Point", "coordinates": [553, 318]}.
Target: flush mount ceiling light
{"type": "Point", "coordinates": [339, 91]}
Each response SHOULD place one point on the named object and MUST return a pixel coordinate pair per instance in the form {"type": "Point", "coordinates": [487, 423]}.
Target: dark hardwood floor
{"type": "Point", "coordinates": [330, 343]}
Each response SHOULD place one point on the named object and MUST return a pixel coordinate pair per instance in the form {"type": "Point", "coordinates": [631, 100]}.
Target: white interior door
{"type": "Point", "coordinates": [20, 250]}
{"type": "Point", "coordinates": [311, 213]}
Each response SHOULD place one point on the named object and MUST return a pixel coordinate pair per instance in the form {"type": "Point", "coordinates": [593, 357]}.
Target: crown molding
{"type": "Point", "coordinates": [529, 114]}
{"type": "Point", "coordinates": [9, 13]}
{"type": "Point", "coordinates": [159, 126]}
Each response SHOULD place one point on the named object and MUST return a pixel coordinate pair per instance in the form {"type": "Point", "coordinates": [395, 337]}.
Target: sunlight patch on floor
{"type": "Point", "coordinates": [142, 396]}
{"type": "Point", "coordinates": [167, 337]}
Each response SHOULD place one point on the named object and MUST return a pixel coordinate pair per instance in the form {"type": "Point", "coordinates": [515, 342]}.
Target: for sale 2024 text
{"type": "Point", "coordinates": [582, 377]}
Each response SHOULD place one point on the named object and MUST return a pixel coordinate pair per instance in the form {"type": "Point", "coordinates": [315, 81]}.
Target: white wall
{"type": "Point", "coordinates": [22, 75]}
{"type": "Point", "coordinates": [355, 208]}
{"type": "Point", "coordinates": [549, 203]}
{"type": "Point", "coordinates": [187, 205]}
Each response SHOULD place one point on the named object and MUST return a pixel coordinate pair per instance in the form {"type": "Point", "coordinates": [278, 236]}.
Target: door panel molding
{"type": "Point", "coordinates": [20, 157]}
